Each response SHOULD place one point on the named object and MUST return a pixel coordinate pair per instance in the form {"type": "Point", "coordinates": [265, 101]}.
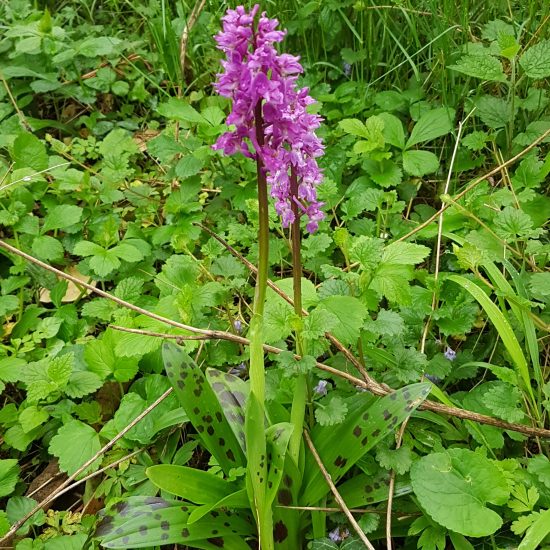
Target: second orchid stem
{"type": "Point", "coordinates": [297, 412]}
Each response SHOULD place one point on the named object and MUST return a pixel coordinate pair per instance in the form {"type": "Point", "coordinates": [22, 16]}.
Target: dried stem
{"type": "Point", "coordinates": [337, 497]}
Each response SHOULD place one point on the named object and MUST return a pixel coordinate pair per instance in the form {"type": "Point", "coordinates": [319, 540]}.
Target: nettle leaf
{"type": "Point", "coordinates": [420, 163]}
{"type": "Point", "coordinates": [431, 125]}
{"type": "Point", "coordinates": [367, 251]}
{"type": "Point", "coordinates": [351, 314]}
{"type": "Point", "coordinates": [74, 444]}
{"type": "Point", "coordinates": [203, 408]}
{"type": "Point", "coordinates": [485, 66]}
{"type": "Point", "coordinates": [454, 488]}
{"type": "Point", "coordinates": [368, 421]}
{"type": "Point", "coordinates": [142, 522]}
{"type": "Point", "coordinates": [493, 111]}
{"type": "Point", "coordinates": [403, 253]}
{"type": "Point", "coordinates": [536, 60]}
{"type": "Point", "coordinates": [9, 475]}
{"type": "Point", "coordinates": [391, 281]}
{"type": "Point", "coordinates": [504, 401]}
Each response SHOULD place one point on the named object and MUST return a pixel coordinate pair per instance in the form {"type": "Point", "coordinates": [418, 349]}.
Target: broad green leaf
{"type": "Point", "coordinates": [142, 522]}
{"type": "Point", "coordinates": [87, 248]}
{"type": "Point", "coordinates": [18, 507]}
{"type": "Point", "coordinates": [8, 304]}
{"type": "Point", "coordinates": [420, 163]}
{"type": "Point", "coordinates": [351, 314]}
{"type": "Point", "coordinates": [495, 112]}
{"type": "Point", "coordinates": [404, 253]}
{"type": "Point", "coordinates": [455, 486]}
{"type": "Point", "coordinates": [29, 151]}
{"type": "Point", "coordinates": [72, 456]}
{"type": "Point", "coordinates": [485, 66]}
{"type": "Point", "coordinates": [431, 125]}
{"type": "Point", "coordinates": [354, 127]}
{"type": "Point", "coordinates": [99, 46]}
{"type": "Point", "coordinates": [202, 407]}
{"type": "Point", "coordinates": [537, 532]}
{"type": "Point", "coordinates": [62, 216]}
{"type": "Point", "coordinates": [367, 422]}
{"type": "Point", "coordinates": [47, 248]}
{"type": "Point", "coordinates": [236, 500]}
{"type": "Point", "coordinates": [191, 484]}
{"type": "Point", "coordinates": [82, 383]}
{"type": "Point", "coordinates": [105, 262]}
{"type": "Point", "coordinates": [188, 166]}
{"type": "Point", "coordinates": [536, 60]}
{"type": "Point", "coordinates": [391, 281]}
{"type": "Point", "coordinates": [178, 109]}
{"type": "Point", "coordinates": [127, 252]}
{"type": "Point", "coordinates": [277, 439]}
{"type": "Point", "coordinates": [9, 475]}
{"type": "Point", "coordinates": [393, 130]}
{"type": "Point", "coordinates": [32, 417]}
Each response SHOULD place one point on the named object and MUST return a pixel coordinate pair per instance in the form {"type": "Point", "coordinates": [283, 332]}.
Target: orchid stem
{"type": "Point", "coordinates": [297, 412]}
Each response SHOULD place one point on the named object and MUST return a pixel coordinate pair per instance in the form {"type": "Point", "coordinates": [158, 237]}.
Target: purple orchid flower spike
{"type": "Point", "coordinates": [256, 76]}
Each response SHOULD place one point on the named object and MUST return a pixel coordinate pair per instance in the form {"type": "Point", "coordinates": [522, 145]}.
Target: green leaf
{"type": "Point", "coordinates": [99, 46]}
{"type": "Point", "coordinates": [178, 109]}
{"type": "Point", "coordinates": [351, 314]}
{"type": "Point", "coordinates": [368, 421]}
{"type": "Point", "coordinates": [72, 456]}
{"type": "Point", "coordinates": [484, 66]}
{"type": "Point", "coordinates": [19, 507]}
{"type": "Point", "coordinates": [454, 488]}
{"type": "Point", "coordinates": [420, 163]}
{"type": "Point", "coordinates": [536, 60]}
{"type": "Point", "coordinates": [82, 383]}
{"type": "Point", "coordinates": [331, 411]}
{"type": "Point", "coordinates": [32, 417]}
{"type": "Point", "coordinates": [537, 532]}
{"type": "Point", "coordinates": [190, 484]}
{"type": "Point", "coordinates": [188, 166]}
{"type": "Point", "coordinates": [87, 248]}
{"type": "Point", "coordinates": [8, 304]}
{"type": "Point", "coordinates": [9, 475]}
{"type": "Point", "coordinates": [403, 253]}
{"type": "Point", "coordinates": [391, 281]}
{"type": "Point", "coordinates": [495, 112]}
{"type": "Point", "coordinates": [105, 262]}
{"type": "Point", "coordinates": [504, 401]}
{"type": "Point", "coordinates": [29, 151]}
{"type": "Point", "coordinates": [127, 252]}
{"type": "Point", "coordinates": [431, 125]}
{"type": "Point", "coordinates": [393, 130]}
{"type": "Point", "coordinates": [62, 216]}
{"type": "Point", "coordinates": [47, 248]}
{"type": "Point", "coordinates": [367, 251]}
{"type": "Point", "coordinates": [540, 466]}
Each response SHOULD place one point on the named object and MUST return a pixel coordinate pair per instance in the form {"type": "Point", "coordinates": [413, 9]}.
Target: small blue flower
{"type": "Point", "coordinates": [338, 534]}
{"type": "Point", "coordinates": [239, 370]}
{"type": "Point", "coordinates": [347, 69]}
{"type": "Point", "coordinates": [450, 354]}
{"type": "Point", "coordinates": [321, 387]}
{"type": "Point", "coordinates": [237, 325]}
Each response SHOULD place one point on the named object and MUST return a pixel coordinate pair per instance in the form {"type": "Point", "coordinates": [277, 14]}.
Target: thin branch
{"type": "Point", "coordinates": [368, 383]}
{"type": "Point", "coordinates": [337, 497]}
{"type": "Point", "coordinates": [64, 486]}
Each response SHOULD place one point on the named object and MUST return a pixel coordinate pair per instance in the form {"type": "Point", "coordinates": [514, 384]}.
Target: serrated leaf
{"type": "Point", "coordinates": [367, 251]}
{"type": "Point", "coordinates": [454, 488]}
{"type": "Point", "coordinates": [331, 411]}
{"type": "Point", "coordinates": [188, 166]}
{"type": "Point", "coordinates": [540, 466]}
{"type": "Point", "coordinates": [536, 60]}
{"type": "Point", "coordinates": [351, 314]}
{"type": "Point", "coordinates": [72, 457]}
{"type": "Point", "coordinates": [9, 475]}
{"type": "Point", "coordinates": [47, 248]}
{"type": "Point", "coordinates": [483, 66]}
{"type": "Point", "coordinates": [62, 216]}
{"type": "Point", "coordinates": [495, 112]}
{"type": "Point", "coordinates": [178, 109]}
{"type": "Point", "coordinates": [399, 460]}
{"type": "Point", "coordinates": [420, 163]}
{"type": "Point", "coordinates": [127, 252]}
{"type": "Point", "coordinates": [504, 401]}
{"type": "Point", "coordinates": [82, 383]}
{"type": "Point", "coordinates": [32, 417]}
{"type": "Point", "coordinates": [403, 253]}
{"type": "Point", "coordinates": [431, 125]}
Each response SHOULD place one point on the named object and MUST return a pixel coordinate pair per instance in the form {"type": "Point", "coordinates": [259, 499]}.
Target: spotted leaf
{"type": "Point", "coordinates": [367, 422]}
{"type": "Point", "coordinates": [238, 499]}
{"type": "Point", "coordinates": [232, 393]}
{"type": "Point", "coordinates": [140, 522]}
{"type": "Point", "coordinates": [363, 489]}
{"type": "Point", "coordinates": [277, 438]}
{"type": "Point", "coordinates": [202, 407]}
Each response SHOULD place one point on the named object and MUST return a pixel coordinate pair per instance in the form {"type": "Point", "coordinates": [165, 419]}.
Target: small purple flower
{"type": "Point", "coordinates": [238, 326]}
{"type": "Point", "coordinates": [338, 534]}
{"type": "Point", "coordinates": [450, 353]}
{"type": "Point", "coordinates": [260, 80]}
{"type": "Point", "coordinates": [239, 370]}
{"type": "Point", "coordinates": [321, 387]}
{"type": "Point", "coordinates": [347, 69]}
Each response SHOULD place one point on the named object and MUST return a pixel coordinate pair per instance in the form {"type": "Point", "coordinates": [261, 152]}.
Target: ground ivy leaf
{"type": "Point", "coordinates": [454, 488]}
{"type": "Point", "coordinates": [74, 444]}
{"type": "Point", "coordinates": [331, 411]}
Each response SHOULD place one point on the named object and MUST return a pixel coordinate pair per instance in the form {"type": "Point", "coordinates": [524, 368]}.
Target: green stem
{"type": "Point", "coordinates": [298, 409]}
{"type": "Point", "coordinates": [255, 411]}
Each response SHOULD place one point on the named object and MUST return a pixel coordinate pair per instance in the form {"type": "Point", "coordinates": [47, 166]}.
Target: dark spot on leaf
{"type": "Point", "coordinates": [370, 499]}
{"type": "Point", "coordinates": [357, 431]}
{"type": "Point", "coordinates": [185, 533]}
{"type": "Point", "coordinates": [226, 396]}
{"type": "Point", "coordinates": [270, 484]}
{"type": "Point", "coordinates": [280, 532]}
{"type": "Point", "coordinates": [406, 394]}
{"type": "Point", "coordinates": [214, 373]}
{"type": "Point", "coordinates": [196, 410]}
{"type": "Point", "coordinates": [376, 485]}
{"type": "Point", "coordinates": [183, 375]}
{"type": "Point", "coordinates": [219, 416]}
{"type": "Point", "coordinates": [365, 440]}
{"type": "Point", "coordinates": [239, 396]}
{"type": "Point", "coordinates": [218, 387]}
{"type": "Point", "coordinates": [143, 530]}
{"type": "Point", "coordinates": [228, 377]}
{"type": "Point", "coordinates": [216, 541]}
{"type": "Point", "coordinates": [226, 524]}
{"type": "Point", "coordinates": [340, 461]}
{"type": "Point", "coordinates": [368, 489]}
{"type": "Point", "coordinates": [158, 516]}
{"type": "Point", "coordinates": [198, 391]}
{"type": "Point", "coordinates": [184, 508]}
{"type": "Point", "coordinates": [200, 428]}
{"type": "Point", "coordinates": [165, 525]}
{"type": "Point", "coordinates": [181, 385]}
{"type": "Point", "coordinates": [284, 497]}
{"type": "Point", "coordinates": [210, 430]}
{"type": "Point", "coordinates": [366, 416]}
{"type": "Point", "coordinates": [105, 526]}
{"type": "Point", "coordinates": [287, 481]}
{"type": "Point", "coordinates": [119, 531]}
{"type": "Point", "coordinates": [221, 442]}
{"type": "Point", "coordinates": [214, 531]}
{"type": "Point", "coordinates": [125, 540]}
{"type": "Point", "coordinates": [393, 396]}
{"type": "Point", "coordinates": [230, 455]}
{"type": "Point", "coordinates": [164, 536]}
{"type": "Point", "coordinates": [387, 414]}
{"type": "Point", "coordinates": [215, 514]}
{"type": "Point", "coordinates": [168, 364]}
{"type": "Point", "coordinates": [376, 433]}
{"type": "Point", "coordinates": [207, 418]}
